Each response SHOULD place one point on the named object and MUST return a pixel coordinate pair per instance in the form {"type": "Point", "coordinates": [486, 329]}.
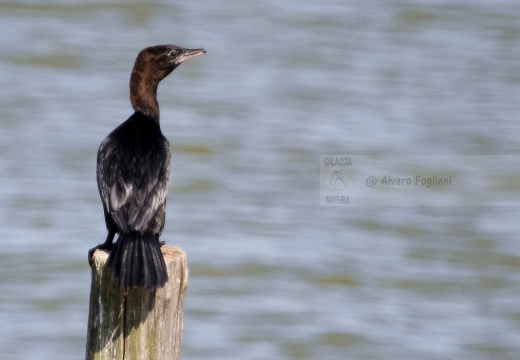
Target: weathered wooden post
{"type": "Point", "coordinates": [136, 324]}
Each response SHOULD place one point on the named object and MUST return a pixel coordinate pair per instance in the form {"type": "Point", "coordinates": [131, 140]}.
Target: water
{"type": "Point", "coordinates": [273, 275]}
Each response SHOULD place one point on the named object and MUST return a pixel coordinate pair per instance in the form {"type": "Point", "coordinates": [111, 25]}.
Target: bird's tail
{"type": "Point", "coordinates": [137, 261]}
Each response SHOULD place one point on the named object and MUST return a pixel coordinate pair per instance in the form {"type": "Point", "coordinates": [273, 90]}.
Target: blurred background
{"type": "Point", "coordinates": [273, 275]}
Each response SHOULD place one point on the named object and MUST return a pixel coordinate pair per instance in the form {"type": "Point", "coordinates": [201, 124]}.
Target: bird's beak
{"type": "Point", "coordinates": [188, 54]}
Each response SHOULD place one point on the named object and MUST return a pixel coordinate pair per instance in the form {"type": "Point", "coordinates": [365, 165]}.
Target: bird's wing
{"type": "Point", "coordinates": [131, 191]}
{"type": "Point", "coordinates": [114, 181]}
{"type": "Point", "coordinates": [150, 189]}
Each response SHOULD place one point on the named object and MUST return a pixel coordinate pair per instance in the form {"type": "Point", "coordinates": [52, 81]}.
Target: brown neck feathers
{"type": "Point", "coordinates": [143, 91]}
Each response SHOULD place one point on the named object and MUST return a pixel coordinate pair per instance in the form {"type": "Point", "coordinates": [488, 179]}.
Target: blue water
{"type": "Point", "coordinates": [273, 275]}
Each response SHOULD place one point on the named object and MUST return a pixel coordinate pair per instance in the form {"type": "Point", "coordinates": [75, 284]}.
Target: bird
{"type": "Point", "coordinates": [134, 173]}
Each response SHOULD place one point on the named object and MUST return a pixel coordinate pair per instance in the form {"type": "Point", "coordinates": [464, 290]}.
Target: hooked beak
{"type": "Point", "coordinates": [188, 54]}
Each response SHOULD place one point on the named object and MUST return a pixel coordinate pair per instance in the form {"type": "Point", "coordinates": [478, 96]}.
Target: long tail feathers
{"type": "Point", "coordinates": [137, 261]}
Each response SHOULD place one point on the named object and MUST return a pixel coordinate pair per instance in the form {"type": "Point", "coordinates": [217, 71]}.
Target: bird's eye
{"type": "Point", "coordinates": [172, 53]}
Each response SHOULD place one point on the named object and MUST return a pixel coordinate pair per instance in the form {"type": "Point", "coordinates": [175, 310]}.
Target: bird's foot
{"type": "Point", "coordinates": [103, 246]}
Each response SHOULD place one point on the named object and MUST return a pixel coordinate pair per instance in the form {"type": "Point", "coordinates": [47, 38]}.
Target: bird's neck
{"type": "Point", "coordinates": [143, 94]}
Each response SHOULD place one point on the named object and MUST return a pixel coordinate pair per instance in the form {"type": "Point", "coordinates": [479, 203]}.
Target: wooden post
{"type": "Point", "coordinates": [136, 324]}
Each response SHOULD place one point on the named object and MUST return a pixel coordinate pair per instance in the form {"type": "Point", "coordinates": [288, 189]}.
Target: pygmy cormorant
{"type": "Point", "coordinates": [133, 175]}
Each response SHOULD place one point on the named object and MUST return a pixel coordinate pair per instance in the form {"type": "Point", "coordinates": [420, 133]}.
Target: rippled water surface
{"type": "Point", "coordinates": [273, 275]}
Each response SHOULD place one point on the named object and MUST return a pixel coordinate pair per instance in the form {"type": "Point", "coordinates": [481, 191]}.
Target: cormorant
{"type": "Point", "coordinates": [133, 175]}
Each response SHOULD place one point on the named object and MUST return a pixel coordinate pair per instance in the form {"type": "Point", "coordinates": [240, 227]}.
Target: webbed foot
{"type": "Point", "coordinates": [103, 246]}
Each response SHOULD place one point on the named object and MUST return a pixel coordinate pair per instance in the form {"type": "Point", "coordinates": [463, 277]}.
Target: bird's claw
{"type": "Point", "coordinates": [93, 250]}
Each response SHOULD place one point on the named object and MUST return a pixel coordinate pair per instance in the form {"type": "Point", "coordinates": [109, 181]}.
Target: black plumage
{"type": "Point", "coordinates": [133, 175]}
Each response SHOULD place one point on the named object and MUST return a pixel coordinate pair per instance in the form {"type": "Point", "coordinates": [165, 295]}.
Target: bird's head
{"type": "Point", "coordinates": [159, 61]}
{"type": "Point", "coordinates": [151, 66]}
